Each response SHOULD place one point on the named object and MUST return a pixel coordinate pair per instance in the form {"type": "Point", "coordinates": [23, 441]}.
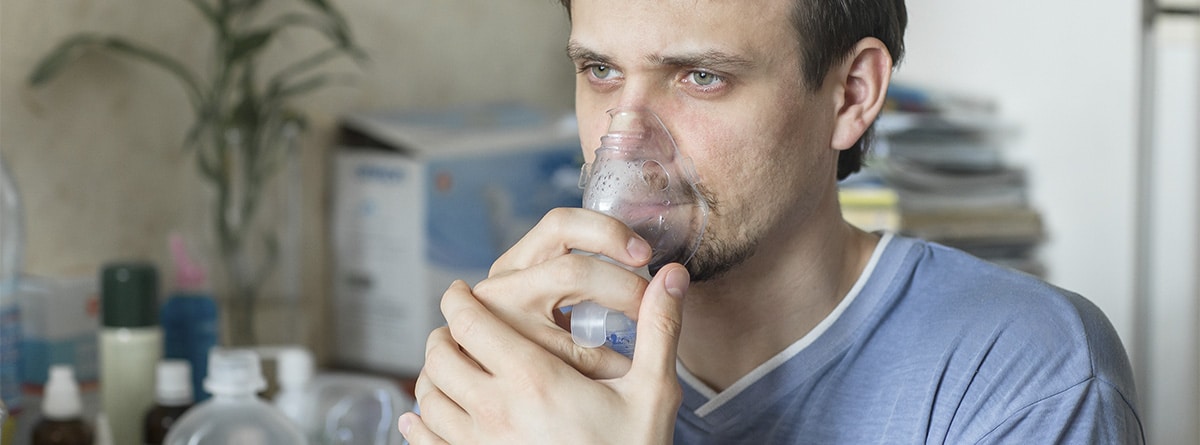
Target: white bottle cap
{"type": "Point", "coordinates": [234, 372]}
{"type": "Point", "coordinates": [61, 400]}
{"type": "Point", "coordinates": [294, 368]}
{"type": "Point", "coordinates": [173, 383]}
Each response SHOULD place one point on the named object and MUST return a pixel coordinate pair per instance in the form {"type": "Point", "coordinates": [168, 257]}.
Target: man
{"type": "Point", "coordinates": [794, 327]}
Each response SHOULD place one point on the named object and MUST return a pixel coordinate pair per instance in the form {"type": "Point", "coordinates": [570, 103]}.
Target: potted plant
{"type": "Point", "coordinates": [244, 124]}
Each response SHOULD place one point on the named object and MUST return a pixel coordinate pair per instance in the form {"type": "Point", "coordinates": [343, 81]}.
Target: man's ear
{"type": "Point", "coordinates": [860, 91]}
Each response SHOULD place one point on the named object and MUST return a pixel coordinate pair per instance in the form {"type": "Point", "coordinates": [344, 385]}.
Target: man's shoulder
{"type": "Point", "coordinates": [1008, 325]}
{"type": "Point", "coordinates": [940, 297]}
{"type": "Point", "coordinates": [950, 280]}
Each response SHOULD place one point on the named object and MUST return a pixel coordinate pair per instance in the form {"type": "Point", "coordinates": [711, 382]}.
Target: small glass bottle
{"type": "Point", "coordinates": [173, 397]}
{"type": "Point", "coordinates": [62, 412]}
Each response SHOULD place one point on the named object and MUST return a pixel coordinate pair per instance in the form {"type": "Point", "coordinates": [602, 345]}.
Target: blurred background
{"type": "Point", "coordinates": [1080, 117]}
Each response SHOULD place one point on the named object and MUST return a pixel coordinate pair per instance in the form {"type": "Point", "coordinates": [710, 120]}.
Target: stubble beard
{"type": "Point", "coordinates": [716, 256]}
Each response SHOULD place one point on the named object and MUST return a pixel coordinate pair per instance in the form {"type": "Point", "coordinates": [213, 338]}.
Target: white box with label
{"type": "Point", "coordinates": [423, 199]}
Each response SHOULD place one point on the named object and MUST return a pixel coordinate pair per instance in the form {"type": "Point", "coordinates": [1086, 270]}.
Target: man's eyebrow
{"type": "Point", "coordinates": [705, 59]}
{"type": "Point", "coordinates": [577, 52]}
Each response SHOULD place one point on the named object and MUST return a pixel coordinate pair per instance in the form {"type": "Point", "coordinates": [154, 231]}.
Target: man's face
{"type": "Point", "coordinates": [725, 78]}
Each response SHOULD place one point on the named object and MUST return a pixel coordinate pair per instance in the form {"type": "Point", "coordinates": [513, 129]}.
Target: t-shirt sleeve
{"type": "Point", "coordinates": [1091, 412]}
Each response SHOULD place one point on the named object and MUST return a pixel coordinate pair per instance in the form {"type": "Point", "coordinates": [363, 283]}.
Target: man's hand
{"type": "Point", "coordinates": [538, 275]}
{"type": "Point", "coordinates": [531, 281]}
{"type": "Point", "coordinates": [504, 372]}
{"type": "Point", "coordinates": [484, 382]}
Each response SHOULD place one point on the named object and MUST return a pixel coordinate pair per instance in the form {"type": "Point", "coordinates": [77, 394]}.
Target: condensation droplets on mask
{"type": "Point", "coordinates": [639, 177]}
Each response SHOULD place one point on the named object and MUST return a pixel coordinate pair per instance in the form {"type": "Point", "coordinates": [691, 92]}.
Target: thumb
{"type": "Point", "coordinates": [659, 321]}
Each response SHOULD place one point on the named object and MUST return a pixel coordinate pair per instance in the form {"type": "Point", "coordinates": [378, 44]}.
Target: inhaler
{"type": "Point", "coordinates": [639, 177]}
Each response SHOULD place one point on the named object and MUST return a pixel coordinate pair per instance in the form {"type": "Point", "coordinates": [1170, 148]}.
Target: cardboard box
{"type": "Point", "coordinates": [423, 199]}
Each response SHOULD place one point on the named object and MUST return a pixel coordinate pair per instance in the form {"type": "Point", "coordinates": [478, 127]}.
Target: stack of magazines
{"type": "Point", "coordinates": [938, 171]}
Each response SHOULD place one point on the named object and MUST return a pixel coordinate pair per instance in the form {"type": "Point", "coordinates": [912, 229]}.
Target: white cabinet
{"type": "Point", "coordinates": [1170, 368]}
{"type": "Point", "coordinates": [1121, 199]}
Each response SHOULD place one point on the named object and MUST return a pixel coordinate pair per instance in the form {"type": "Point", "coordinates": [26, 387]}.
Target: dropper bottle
{"type": "Point", "coordinates": [172, 397]}
{"type": "Point", "coordinates": [62, 412]}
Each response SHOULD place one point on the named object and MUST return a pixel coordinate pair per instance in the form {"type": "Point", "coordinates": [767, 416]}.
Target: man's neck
{"type": "Point", "coordinates": [737, 322]}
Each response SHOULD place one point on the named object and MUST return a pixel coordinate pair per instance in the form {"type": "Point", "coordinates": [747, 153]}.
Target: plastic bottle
{"type": "Point", "coordinates": [103, 430]}
{"type": "Point", "coordinates": [338, 408]}
{"type": "Point", "coordinates": [234, 414]}
{"type": "Point", "coordinates": [172, 396]}
{"type": "Point", "coordinates": [5, 429]}
{"type": "Point", "coordinates": [62, 412]}
{"type": "Point", "coordinates": [130, 346]}
{"type": "Point", "coordinates": [294, 369]}
{"type": "Point", "coordinates": [189, 318]}
{"type": "Point", "coordinates": [639, 177]}
{"type": "Point", "coordinates": [11, 246]}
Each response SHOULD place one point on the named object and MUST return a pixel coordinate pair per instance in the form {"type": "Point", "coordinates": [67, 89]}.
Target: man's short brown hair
{"type": "Point", "coordinates": [827, 31]}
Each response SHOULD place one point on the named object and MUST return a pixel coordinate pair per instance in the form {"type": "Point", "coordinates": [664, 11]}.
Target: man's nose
{"type": "Point", "coordinates": [643, 92]}
{"type": "Point", "coordinates": [654, 95]}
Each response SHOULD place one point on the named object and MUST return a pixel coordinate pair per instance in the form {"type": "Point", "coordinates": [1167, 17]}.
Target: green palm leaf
{"type": "Point", "coordinates": [74, 47]}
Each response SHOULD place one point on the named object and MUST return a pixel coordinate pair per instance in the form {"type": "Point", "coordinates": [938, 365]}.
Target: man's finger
{"type": "Point", "coordinates": [439, 413]}
{"type": "Point", "coordinates": [659, 324]}
{"type": "Point", "coordinates": [415, 431]}
{"type": "Point", "coordinates": [449, 371]}
{"type": "Point", "coordinates": [491, 342]}
{"type": "Point", "coordinates": [563, 281]}
{"type": "Point", "coordinates": [528, 300]}
{"type": "Point", "coordinates": [564, 229]}
{"type": "Point", "coordinates": [595, 363]}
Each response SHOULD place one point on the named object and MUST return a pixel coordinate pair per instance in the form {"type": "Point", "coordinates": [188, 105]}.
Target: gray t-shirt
{"type": "Point", "coordinates": [932, 346]}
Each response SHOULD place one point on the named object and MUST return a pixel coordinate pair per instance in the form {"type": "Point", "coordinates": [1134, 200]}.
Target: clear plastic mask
{"type": "Point", "coordinates": [639, 177]}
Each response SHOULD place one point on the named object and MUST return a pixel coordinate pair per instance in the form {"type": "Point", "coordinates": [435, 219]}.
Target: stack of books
{"type": "Point", "coordinates": [938, 172]}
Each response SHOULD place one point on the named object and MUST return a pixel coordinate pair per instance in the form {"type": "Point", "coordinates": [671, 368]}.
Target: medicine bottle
{"type": "Point", "coordinates": [172, 397]}
{"type": "Point", "coordinates": [62, 412]}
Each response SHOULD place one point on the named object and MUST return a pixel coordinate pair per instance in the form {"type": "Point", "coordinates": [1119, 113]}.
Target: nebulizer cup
{"type": "Point", "coordinates": [639, 177]}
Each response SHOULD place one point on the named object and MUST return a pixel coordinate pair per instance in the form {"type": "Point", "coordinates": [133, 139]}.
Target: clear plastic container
{"type": "Point", "coordinates": [11, 245]}
{"type": "Point", "coordinates": [336, 408]}
{"type": "Point", "coordinates": [234, 414]}
{"type": "Point", "coordinates": [593, 325]}
{"type": "Point", "coordinates": [639, 177]}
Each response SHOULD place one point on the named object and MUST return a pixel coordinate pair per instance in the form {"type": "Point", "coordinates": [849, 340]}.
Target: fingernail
{"type": "Point", "coordinates": [638, 249]}
{"type": "Point", "coordinates": [405, 423]}
{"type": "Point", "coordinates": [677, 282]}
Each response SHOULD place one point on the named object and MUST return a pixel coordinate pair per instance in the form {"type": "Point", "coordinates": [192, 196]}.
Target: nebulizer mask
{"type": "Point", "coordinates": [639, 177]}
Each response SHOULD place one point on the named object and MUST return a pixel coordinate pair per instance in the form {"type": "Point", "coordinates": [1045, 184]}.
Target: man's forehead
{"type": "Point", "coordinates": [660, 31]}
{"type": "Point", "coordinates": [749, 6]}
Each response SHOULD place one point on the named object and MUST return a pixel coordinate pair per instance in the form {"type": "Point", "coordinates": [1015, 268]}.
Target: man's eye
{"type": "Point", "coordinates": [601, 71]}
{"type": "Point", "coordinates": [704, 79]}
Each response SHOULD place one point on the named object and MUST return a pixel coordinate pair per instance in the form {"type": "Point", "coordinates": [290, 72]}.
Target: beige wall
{"type": "Point", "coordinates": [97, 154]}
